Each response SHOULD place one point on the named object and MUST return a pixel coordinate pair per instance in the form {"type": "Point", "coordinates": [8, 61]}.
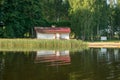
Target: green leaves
{"type": "Point", "coordinates": [82, 17]}
{"type": "Point", "coordinates": [21, 16]}
{"type": "Point", "coordinates": [90, 17]}
{"type": "Point", "coordinates": [55, 10]}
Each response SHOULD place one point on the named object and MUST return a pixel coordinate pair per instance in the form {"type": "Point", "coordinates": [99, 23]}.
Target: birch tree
{"type": "Point", "coordinates": [82, 18]}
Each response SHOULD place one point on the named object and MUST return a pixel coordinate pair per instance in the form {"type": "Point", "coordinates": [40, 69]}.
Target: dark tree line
{"type": "Point", "coordinates": [20, 16]}
{"type": "Point", "coordinates": [88, 19]}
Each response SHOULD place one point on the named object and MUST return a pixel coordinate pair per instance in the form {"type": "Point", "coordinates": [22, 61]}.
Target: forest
{"type": "Point", "coordinates": [88, 19]}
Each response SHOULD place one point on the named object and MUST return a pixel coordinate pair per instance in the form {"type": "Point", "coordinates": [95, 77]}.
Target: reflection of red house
{"type": "Point", "coordinates": [53, 57]}
{"type": "Point", "coordinates": [52, 32]}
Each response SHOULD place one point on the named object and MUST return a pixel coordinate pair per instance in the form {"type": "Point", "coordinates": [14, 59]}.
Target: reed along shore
{"type": "Point", "coordinates": [37, 44]}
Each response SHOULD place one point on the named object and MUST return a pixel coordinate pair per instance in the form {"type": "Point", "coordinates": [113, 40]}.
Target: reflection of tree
{"type": "Point", "coordinates": [87, 65]}
{"type": "Point", "coordinates": [12, 63]}
{"type": "Point", "coordinates": [21, 66]}
{"type": "Point", "coordinates": [1, 65]}
{"type": "Point", "coordinates": [84, 65]}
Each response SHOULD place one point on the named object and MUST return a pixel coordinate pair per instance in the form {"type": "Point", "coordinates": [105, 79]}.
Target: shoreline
{"type": "Point", "coordinates": [104, 44]}
{"type": "Point", "coordinates": [37, 44]}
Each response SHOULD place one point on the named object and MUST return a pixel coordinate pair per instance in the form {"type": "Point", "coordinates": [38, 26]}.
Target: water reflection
{"type": "Point", "coordinates": [92, 64]}
{"type": "Point", "coordinates": [108, 55]}
{"type": "Point", "coordinates": [53, 57]}
{"type": "Point", "coordinates": [1, 67]}
{"type": "Point", "coordinates": [96, 64]}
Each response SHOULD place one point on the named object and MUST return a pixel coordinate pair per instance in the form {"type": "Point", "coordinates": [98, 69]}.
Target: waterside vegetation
{"type": "Point", "coordinates": [37, 44]}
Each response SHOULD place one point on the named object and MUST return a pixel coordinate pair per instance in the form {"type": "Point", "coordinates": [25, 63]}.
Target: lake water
{"type": "Point", "coordinates": [92, 64]}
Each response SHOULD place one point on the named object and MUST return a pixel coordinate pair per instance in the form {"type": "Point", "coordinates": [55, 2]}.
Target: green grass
{"type": "Point", "coordinates": [38, 44]}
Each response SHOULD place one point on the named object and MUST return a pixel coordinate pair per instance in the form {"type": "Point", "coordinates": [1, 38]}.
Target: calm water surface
{"type": "Point", "coordinates": [92, 64]}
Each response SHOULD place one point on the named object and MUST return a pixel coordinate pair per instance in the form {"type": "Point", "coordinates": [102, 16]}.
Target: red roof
{"type": "Point", "coordinates": [52, 29]}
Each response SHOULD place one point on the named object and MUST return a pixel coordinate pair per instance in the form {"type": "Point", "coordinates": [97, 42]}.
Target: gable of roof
{"type": "Point", "coordinates": [52, 29]}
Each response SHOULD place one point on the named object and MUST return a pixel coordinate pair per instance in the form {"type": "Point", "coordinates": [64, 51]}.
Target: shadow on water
{"type": "Point", "coordinates": [92, 64]}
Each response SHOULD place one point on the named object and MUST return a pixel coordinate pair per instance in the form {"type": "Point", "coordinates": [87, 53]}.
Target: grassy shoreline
{"type": "Point", "coordinates": [38, 44]}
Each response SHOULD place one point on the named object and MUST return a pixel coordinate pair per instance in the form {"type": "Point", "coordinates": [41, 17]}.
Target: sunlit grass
{"type": "Point", "coordinates": [38, 44]}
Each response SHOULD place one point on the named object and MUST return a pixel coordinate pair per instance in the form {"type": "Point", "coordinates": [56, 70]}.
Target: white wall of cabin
{"type": "Point", "coordinates": [64, 36]}
{"type": "Point", "coordinates": [53, 36]}
{"type": "Point", "coordinates": [45, 36]}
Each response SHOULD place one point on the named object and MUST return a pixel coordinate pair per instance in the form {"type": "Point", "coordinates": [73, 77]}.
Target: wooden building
{"type": "Point", "coordinates": [52, 32]}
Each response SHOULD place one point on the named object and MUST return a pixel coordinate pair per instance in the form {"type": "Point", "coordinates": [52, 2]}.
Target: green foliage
{"type": "Point", "coordinates": [117, 15]}
{"type": "Point", "coordinates": [61, 23]}
{"type": "Point", "coordinates": [21, 16]}
{"type": "Point", "coordinates": [55, 10]}
{"type": "Point", "coordinates": [90, 17]}
{"type": "Point", "coordinates": [116, 19]}
{"type": "Point", "coordinates": [82, 18]}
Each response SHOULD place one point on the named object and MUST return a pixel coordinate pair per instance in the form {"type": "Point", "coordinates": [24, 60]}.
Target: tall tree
{"type": "Point", "coordinates": [82, 17]}
{"type": "Point", "coordinates": [55, 10]}
{"type": "Point", "coordinates": [21, 15]}
{"type": "Point", "coordinates": [117, 18]}
{"type": "Point", "coordinates": [88, 17]}
{"type": "Point", "coordinates": [1, 7]}
{"type": "Point", "coordinates": [100, 16]}
{"type": "Point", "coordinates": [1, 18]}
